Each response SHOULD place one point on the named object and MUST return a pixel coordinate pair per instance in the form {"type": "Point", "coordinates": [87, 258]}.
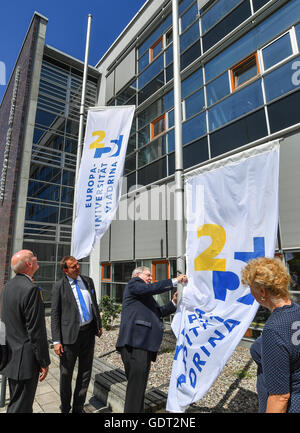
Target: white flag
{"type": "Point", "coordinates": [232, 217]}
{"type": "Point", "coordinates": [101, 168]}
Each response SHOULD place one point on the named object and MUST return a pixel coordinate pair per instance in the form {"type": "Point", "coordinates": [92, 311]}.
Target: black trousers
{"type": "Point", "coordinates": [22, 394]}
{"type": "Point", "coordinates": [83, 350]}
{"type": "Point", "coordinates": [137, 364]}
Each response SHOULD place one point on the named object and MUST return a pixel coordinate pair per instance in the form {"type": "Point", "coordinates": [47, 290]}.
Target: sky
{"type": "Point", "coordinates": [66, 29]}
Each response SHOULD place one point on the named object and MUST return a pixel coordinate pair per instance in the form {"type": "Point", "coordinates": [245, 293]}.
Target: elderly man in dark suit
{"type": "Point", "coordinates": [22, 312]}
{"type": "Point", "coordinates": [141, 331]}
{"type": "Point", "coordinates": [75, 320]}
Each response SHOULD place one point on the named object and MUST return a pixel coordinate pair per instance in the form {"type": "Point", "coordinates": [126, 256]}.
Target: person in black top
{"type": "Point", "coordinates": [23, 314]}
{"type": "Point", "coordinates": [75, 321]}
{"type": "Point", "coordinates": [277, 351]}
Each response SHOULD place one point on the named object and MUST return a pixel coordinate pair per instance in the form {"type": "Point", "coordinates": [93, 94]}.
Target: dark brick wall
{"type": "Point", "coordinates": [7, 207]}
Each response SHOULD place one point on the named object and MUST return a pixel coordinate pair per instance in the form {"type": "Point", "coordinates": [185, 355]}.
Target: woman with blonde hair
{"type": "Point", "coordinates": [277, 350]}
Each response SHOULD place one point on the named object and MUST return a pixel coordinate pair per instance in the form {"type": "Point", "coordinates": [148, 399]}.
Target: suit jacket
{"type": "Point", "coordinates": [141, 320]}
{"type": "Point", "coordinates": [23, 313]}
{"type": "Point", "coordinates": [65, 318]}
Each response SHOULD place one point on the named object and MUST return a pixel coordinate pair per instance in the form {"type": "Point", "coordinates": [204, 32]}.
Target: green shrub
{"type": "Point", "coordinates": [110, 311]}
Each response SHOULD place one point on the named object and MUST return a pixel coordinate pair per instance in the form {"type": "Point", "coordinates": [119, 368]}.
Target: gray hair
{"type": "Point", "coordinates": [139, 270]}
{"type": "Point", "coordinates": [20, 259]}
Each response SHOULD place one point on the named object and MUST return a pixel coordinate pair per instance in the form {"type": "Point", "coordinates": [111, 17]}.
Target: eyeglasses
{"type": "Point", "coordinates": [146, 274]}
{"type": "Point", "coordinates": [73, 266]}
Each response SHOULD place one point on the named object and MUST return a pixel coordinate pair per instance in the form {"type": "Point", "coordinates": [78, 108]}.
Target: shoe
{"type": "Point", "coordinates": [78, 410]}
{"type": "Point", "coordinates": [63, 410]}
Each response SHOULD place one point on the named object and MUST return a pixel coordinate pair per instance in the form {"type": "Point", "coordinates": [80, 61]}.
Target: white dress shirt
{"type": "Point", "coordinates": [86, 297]}
{"type": "Point", "coordinates": [28, 276]}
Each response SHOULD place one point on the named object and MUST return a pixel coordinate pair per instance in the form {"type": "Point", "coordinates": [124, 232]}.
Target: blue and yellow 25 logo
{"type": "Point", "coordinates": [113, 149]}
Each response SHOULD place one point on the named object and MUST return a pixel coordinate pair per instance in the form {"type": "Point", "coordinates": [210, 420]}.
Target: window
{"type": "Point", "coordinates": [195, 153]}
{"type": "Point", "coordinates": [150, 113]}
{"type": "Point", "coordinates": [131, 181]}
{"type": "Point", "coordinates": [244, 71]}
{"type": "Point", "coordinates": [194, 103]}
{"type": "Point", "coordinates": [257, 4]}
{"type": "Point", "coordinates": [218, 89]}
{"type": "Point", "coordinates": [154, 69]}
{"type": "Point", "coordinates": [169, 73]}
{"type": "Point", "coordinates": [169, 55]}
{"type": "Point", "coordinates": [187, 38]}
{"type": "Point", "coordinates": [42, 213]}
{"type": "Point", "coordinates": [297, 28]}
{"type": "Point", "coordinates": [117, 292]}
{"type": "Point", "coordinates": [151, 88]}
{"type": "Point", "coordinates": [123, 271]}
{"type": "Point", "coordinates": [192, 83]}
{"type": "Point", "coordinates": [131, 143]}
{"type": "Point", "coordinates": [194, 128]}
{"type": "Point", "coordinates": [226, 25]}
{"type": "Point", "coordinates": [127, 94]}
{"type": "Point", "coordinates": [105, 289]}
{"type": "Point", "coordinates": [184, 5]}
{"type": "Point", "coordinates": [156, 48]}
{"type": "Point", "coordinates": [283, 79]}
{"type": "Point", "coordinates": [152, 172]}
{"type": "Point", "coordinates": [254, 39]}
{"type": "Point", "coordinates": [188, 17]}
{"type": "Point", "coordinates": [216, 12]}
{"type": "Point", "coordinates": [236, 105]}
{"type": "Point", "coordinates": [170, 119]}
{"type": "Point", "coordinates": [190, 55]}
{"type": "Point", "coordinates": [280, 117]}
{"type": "Point", "coordinates": [143, 62]}
{"type": "Point", "coordinates": [44, 251]}
{"type": "Point", "coordinates": [158, 126]}
{"type": "Point", "coordinates": [45, 272]}
{"type": "Point", "coordinates": [106, 272]}
{"type": "Point", "coordinates": [43, 191]}
{"type": "Point", "coordinates": [243, 131]}
{"type": "Point", "coordinates": [150, 41]}
{"type": "Point", "coordinates": [169, 37]}
{"type": "Point", "coordinates": [152, 151]}
{"type": "Point", "coordinates": [277, 51]}
{"type": "Point", "coordinates": [160, 270]}
{"type": "Point", "coordinates": [130, 164]}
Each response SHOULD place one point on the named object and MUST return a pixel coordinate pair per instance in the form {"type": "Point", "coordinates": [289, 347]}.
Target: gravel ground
{"type": "Point", "coordinates": [234, 390]}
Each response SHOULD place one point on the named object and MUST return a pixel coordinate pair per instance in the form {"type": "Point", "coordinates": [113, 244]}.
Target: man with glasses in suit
{"type": "Point", "coordinates": [141, 331]}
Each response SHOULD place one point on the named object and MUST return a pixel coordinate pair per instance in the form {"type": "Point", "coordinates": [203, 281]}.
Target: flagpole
{"type": "Point", "coordinates": [81, 121]}
{"type": "Point", "coordinates": [179, 187]}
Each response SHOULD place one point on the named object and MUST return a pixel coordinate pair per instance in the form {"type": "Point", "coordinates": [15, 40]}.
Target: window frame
{"type": "Point", "coordinates": [293, 41]}
{"type": "Point", "coordinates": [104, 265]}
{"type": "Point", "coordinates": [152, 125]}
{"type": "Point", "coordinates": [159, 262]}
{"type": "Point", "coordinates": [151, 57]}
{"type": "Point", "coordinates": [234, 85]}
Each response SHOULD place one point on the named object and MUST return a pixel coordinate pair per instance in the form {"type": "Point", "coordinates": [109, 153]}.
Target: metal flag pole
{"type": "Point", "coordinates": [81, 121]}
{"type": "Point", "coordinates": [179, 189]}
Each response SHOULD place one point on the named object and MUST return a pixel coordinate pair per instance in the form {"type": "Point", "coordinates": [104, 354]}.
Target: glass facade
{"type": "Point", "coordinates": [292, 261]}
{"type": "Point", "coordinates": [240, 82]}
{"type": "Point", "coordinates": [49, 209]}
{"type": "Point", "coordinates": [120, 273]}
{"type": "Point", "coordinates": [245, 84]}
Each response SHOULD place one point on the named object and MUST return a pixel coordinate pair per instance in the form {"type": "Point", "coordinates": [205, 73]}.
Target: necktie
{"type": "Point", "coordinates": [85, 313]}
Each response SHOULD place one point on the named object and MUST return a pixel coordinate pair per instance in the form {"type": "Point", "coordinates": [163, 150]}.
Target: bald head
{"type": "Point", "coordinates": [24, 262]}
